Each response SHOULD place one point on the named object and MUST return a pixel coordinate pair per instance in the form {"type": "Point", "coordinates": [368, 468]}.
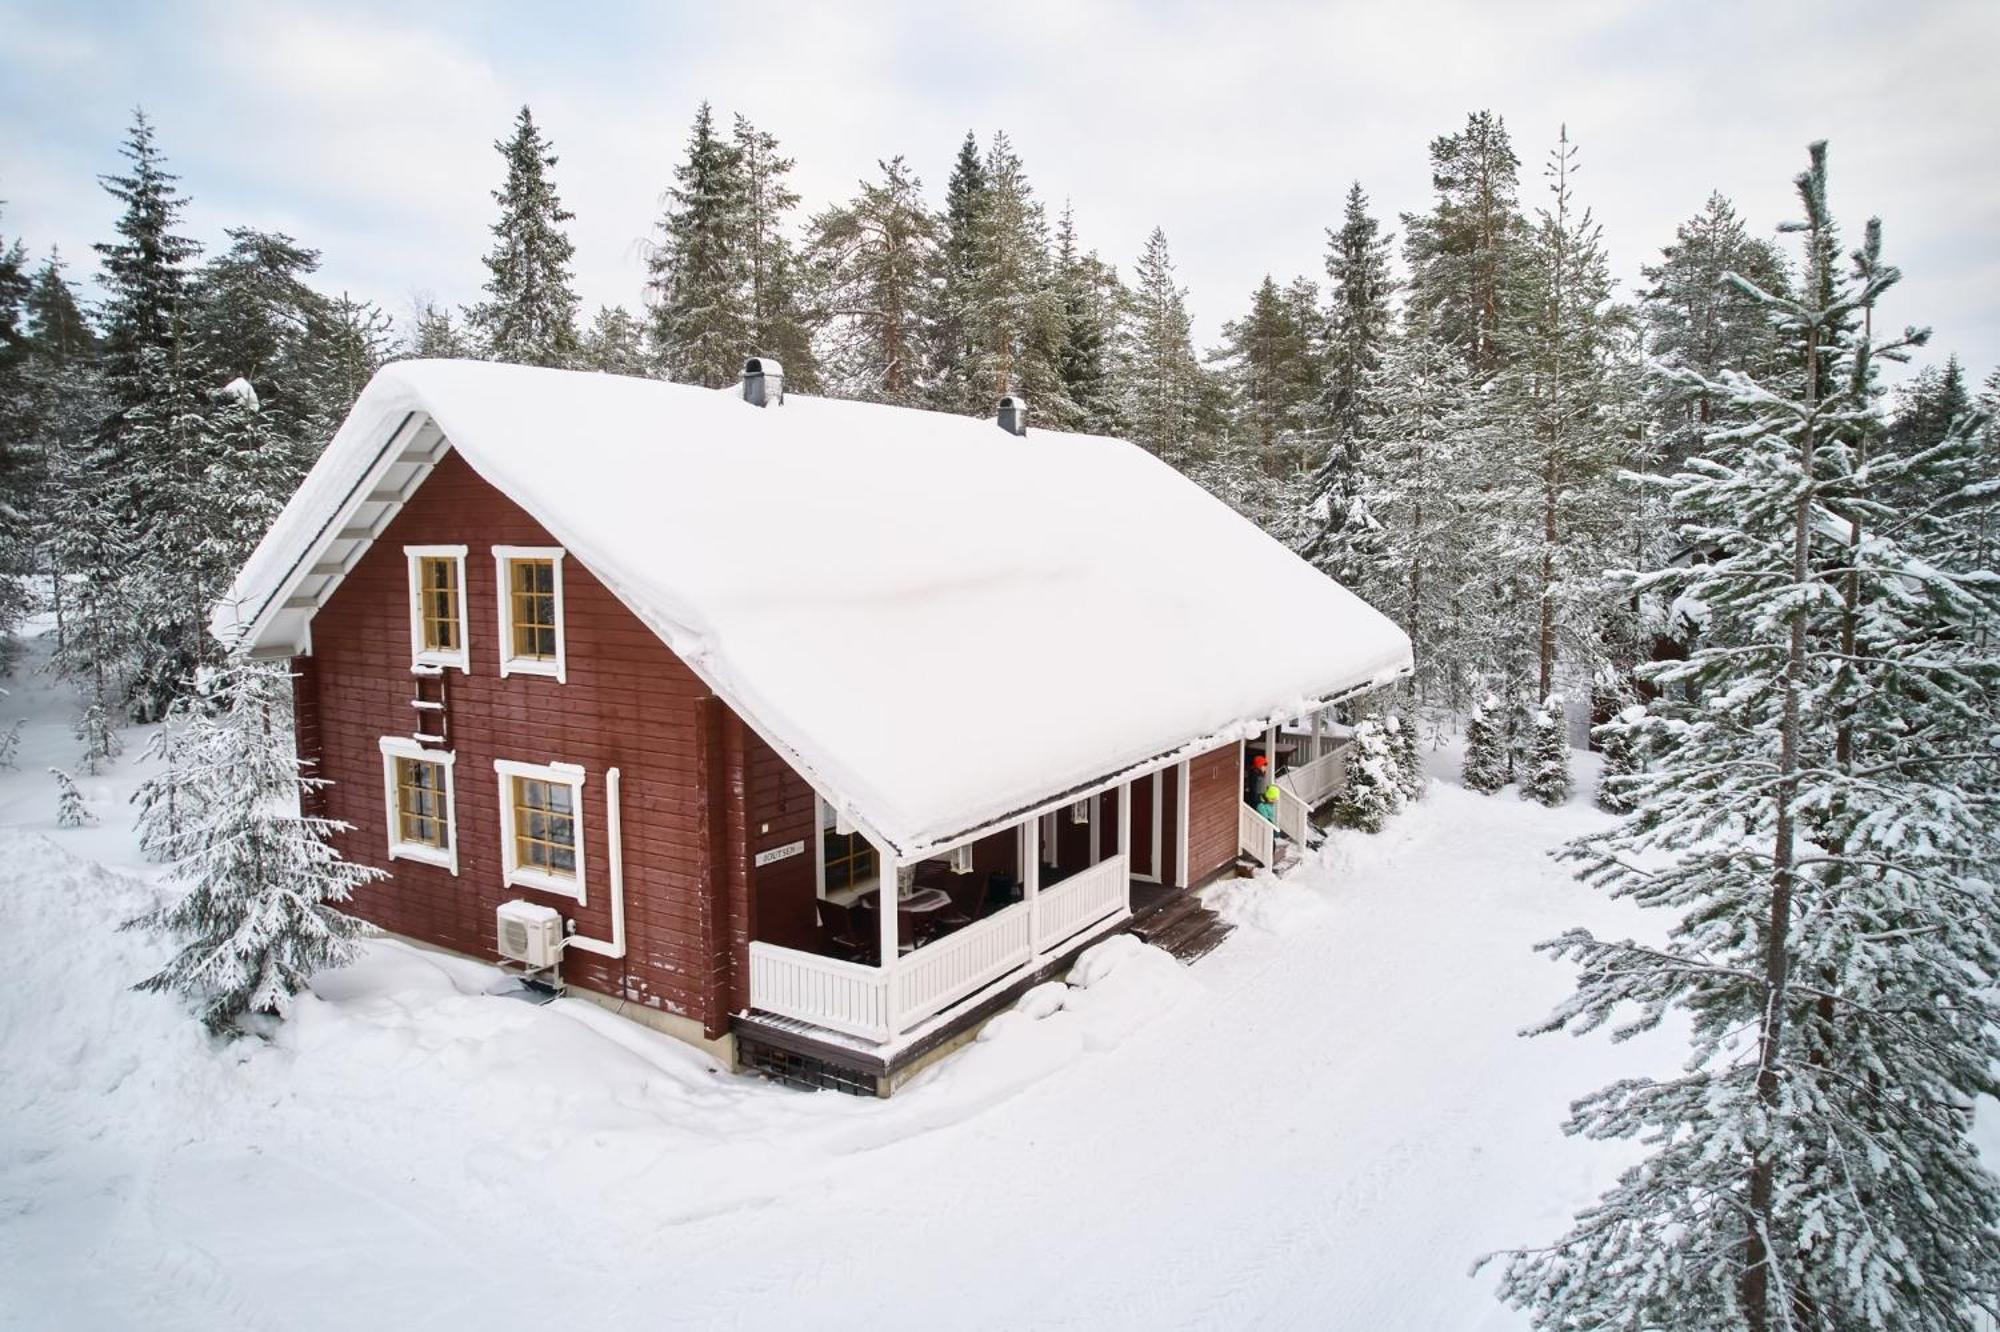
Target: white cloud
{"type": "Point", "coordinates": [1237, 129]}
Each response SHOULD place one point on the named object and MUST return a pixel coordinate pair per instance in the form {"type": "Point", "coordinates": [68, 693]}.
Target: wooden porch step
{"type": "Point", "coordinates": [1184, 928]}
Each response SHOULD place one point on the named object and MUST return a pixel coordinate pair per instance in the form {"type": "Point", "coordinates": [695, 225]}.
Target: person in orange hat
{"type": "Point", "coordinates": [1255, 780]}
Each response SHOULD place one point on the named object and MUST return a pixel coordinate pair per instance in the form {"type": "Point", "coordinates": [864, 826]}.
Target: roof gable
{"type": "Point", "coordinates": [940, 622]}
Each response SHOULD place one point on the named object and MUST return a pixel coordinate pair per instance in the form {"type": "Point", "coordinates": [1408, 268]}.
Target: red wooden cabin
{"type": "Point", "coordinates": [650, 690]}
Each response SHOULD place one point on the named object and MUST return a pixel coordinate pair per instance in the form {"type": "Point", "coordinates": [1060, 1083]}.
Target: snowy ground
{"type": "Point", "coordinates": [1321, 1124]}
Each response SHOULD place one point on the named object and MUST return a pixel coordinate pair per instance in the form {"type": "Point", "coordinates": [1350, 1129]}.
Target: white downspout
{"type": "Point", "coordinates": [615, 835]}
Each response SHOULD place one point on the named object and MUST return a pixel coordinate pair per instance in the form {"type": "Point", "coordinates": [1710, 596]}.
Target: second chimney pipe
{"type": "Point", "coordinates": [763, 382]}
{"type": "Point", "coordinates": [1013, 415]}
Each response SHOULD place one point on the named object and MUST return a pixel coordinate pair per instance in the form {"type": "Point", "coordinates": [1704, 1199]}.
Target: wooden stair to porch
{"type": "Point", "coordinates": [1183, 927]}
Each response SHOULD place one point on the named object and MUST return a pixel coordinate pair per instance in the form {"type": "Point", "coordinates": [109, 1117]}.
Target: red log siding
{"type": "Point", "coordinates": [305, 721]}
{"type": "Point", "coordinates": [1215, 789]}
{"type": "Point", "coordinates": [782, 907]}
{"type": "Point", "coordinates": [629, 703]}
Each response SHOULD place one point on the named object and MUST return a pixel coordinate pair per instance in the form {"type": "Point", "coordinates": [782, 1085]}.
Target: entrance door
{"type": "Point", "coordinates": [1146, 828]}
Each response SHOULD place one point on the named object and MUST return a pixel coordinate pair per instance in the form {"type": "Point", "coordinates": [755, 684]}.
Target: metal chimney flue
{"type": "Point", "coordinates": [763, 382]}
{"type": "Point", "coordinates": [1013, 415]}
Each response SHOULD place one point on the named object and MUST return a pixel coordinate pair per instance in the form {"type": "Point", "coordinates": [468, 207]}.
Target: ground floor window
{"type": "Point", "coordinates": [417, 789]}
{"type": "Point", "coordinates": [541, 826]}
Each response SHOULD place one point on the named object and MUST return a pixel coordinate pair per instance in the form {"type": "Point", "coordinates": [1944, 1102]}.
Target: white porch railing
{"type": "Point", "coordinates": [825, 991]}
{"type": "Point", "coordinates": [1313, 782]}
{"type": "Point", "coordinates": [1256, 836]}
{"type": "Point", "coordinates": [1294, 815]}
{"type": "Point", "coordinates": [938, 975]}
{"type": "Point", "coordinates": [856, 1000]}
{"type": "Point", "coordinates": [1084, 899]}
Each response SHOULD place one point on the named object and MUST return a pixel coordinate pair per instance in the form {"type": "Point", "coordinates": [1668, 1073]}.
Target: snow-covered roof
{"type": "Point", "coordinates": [941, 624]}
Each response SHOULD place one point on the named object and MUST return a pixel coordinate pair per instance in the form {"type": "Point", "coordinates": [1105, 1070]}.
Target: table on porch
{"type": "Point", "coordinates": [917, 911]}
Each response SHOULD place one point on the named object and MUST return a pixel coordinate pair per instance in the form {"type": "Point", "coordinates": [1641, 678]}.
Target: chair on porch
{"type": "Point", "coordinates": [968, 898]}
{"type": "Point", "coordinates": [869, 924]}
{"type": "Point", "coordinates": [851, 938]}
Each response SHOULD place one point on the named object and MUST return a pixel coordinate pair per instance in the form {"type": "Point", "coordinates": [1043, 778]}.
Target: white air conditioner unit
{"type": "Point", "coordinates": [529, 934]}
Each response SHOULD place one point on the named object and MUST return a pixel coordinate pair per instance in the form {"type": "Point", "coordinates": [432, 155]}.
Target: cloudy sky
{"type": "Point", "coordinates": [366, 128]}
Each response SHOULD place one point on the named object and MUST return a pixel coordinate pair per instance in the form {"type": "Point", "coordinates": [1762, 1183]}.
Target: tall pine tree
{"type": "Point", "coordinates": [529, 314]}
{"type": "Point", "coordinates": [1812, 813]}
{"type": "Point", "coordinates": [1461, 254]}
{"type": "Point", "coordinates": [874, 256]}
{"type": "Point", "coordinates": [700, 322]}
{"type": "Point", "coordinates": [1161, 379]}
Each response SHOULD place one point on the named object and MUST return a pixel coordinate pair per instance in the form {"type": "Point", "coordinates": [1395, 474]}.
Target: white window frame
{"type": "Point", "coordinates": [402, 747]}
{"type": "Point", "coordinates": [527, 876]}
{"type": "Point", "coordinates": [509, 663]}
{"type": "Point", "coordinates": [419, 654]}
{"type": "Point", "coordinates": [841, 827]}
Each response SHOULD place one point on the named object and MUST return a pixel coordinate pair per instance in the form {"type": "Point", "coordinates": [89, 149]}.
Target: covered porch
{"type": "Point", "coordinates": [1306, 761]}
{"type": "Point", "coordinates": [968, 922]}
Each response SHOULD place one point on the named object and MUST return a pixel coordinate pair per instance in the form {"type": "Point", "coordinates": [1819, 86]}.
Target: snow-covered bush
{"type": "Point", "coordinates": [1617, 740]}
{"type": "Point", "coordinates": [70, 809]}
{"type": "Point", "coordinates": [1486, 754]}
{"type": "Point", "coordinates": [1372, 791]}
{"type": "Point", "coordinates": [1409, 761]}
{"type": "Point", "coordinates": [1547, 778]}
{"type": "Point", "coordinates": [260, 875]}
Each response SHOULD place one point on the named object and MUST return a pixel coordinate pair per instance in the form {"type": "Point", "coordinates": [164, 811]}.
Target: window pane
{"type": "Point", "coordinates": [421, 816]}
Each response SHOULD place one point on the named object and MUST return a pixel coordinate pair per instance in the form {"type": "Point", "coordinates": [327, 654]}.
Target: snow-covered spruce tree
{"type": "Point", "coordinates": [1373, 789]}
{"type": "Point", "coordinates": [1422, 558]}
{"type": "Point", "coordinates": [258, 917]}
{"type": "Point", "coordinates": [20, 478]}
{"type": "Point", "coordinates": [774, 276]}
{"type": "Point", "coordinates": [1546, 777]}
{"type": "Point", "coordinates": [1267, 367]}
{"type": "Point", "coordinates": [1158, 371]}
{"type": "Point", "coordinates": [1461, 254]}
{"type": "Point", "coordinates": [1403, 744]}
{"type": "Point", "coordinates": [872, 257]}
{"type": "Point", "coordinates": [529, 314]}
{"type": "Point", "coordinates": [1820, 816]}
{"type": "Point", "coordinates": [347, 341]}
{"type": "Point", "coordinates": [967, 205]}
{"type": "Point", "coordinates": [10, 744]}
{"type": "Point", "coordinates": [96, 730]}
{"type": "Point", "coordinates": [1091, 297]}
{"type": "Point", "coordinates": [615, 344]}
{"type": "Point", "coordinates": [71, 812]}
{"type": "Point", "coordinates": [700, 321]}
{"type": "Point", "coordinates": [1696, 320]}
{"type": "Point", "coordinates": [1014, 319]}
{"type": "Point", "coordinates": [1553, 491]}
{"type": "Point", "coordinates": [434, 333]}
{"type": "Point", "coordinates": [253, 309]}
{"type": "Point", "coordinates": [1359, 324]}
{"type": "Point", "coordinates": [1486, 754]}
{"type": "Point", "coordinates": [1618, 742]}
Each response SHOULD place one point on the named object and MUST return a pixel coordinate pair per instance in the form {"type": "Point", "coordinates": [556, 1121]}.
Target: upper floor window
{"type": "Point", "coordinates": [418, 787]}
{"type": "Point", "coordinates": [531, 610]}
{"type": "Point", "coordinates": [541, 825]}
{"type": "Point", "coordinates": [437, 606]}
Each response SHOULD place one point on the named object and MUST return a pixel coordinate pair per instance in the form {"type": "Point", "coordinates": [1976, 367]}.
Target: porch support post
{"type": "Point", "coordinates": [885, 919]}
{"type": "Point", "coordinates": [1271, 755]}
{"type": "Point", "coordinates": [1125, 833]}
{"type": "Point", "coordinates": [1031, 884]}
{"type": "Point", "coordinates": [1319, 724]}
